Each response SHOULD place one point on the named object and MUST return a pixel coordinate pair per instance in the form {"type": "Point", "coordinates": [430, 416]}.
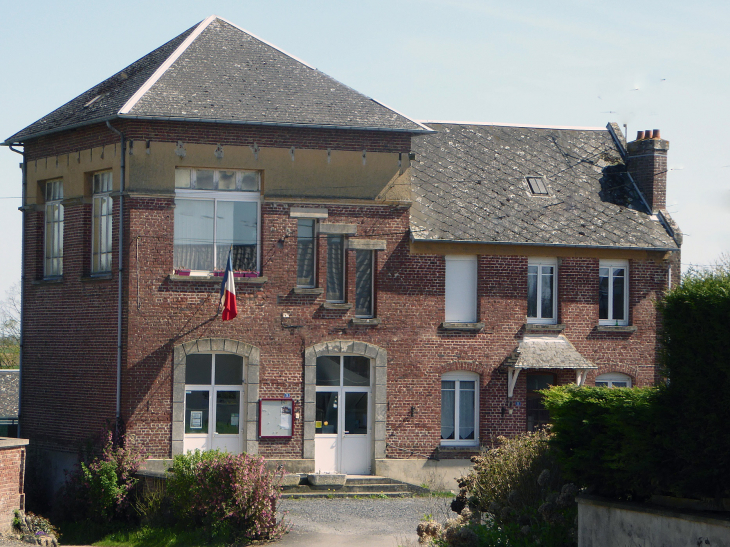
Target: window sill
{"type": "Point", "coordinates": [474, 327]}
{"type": "Point", "coordinates": [336, 306]}
{"type": "Point", "coordinates": [617, 328]}
{"type": "Point", "coordinates": [457, 447]}
{"type": "Point", "coordinates": [306, 290]}
{"type": "Point", "coordinates": [47, 280]}
{"type": "Point", "coordinates": [106, 276]}
{"type": "Point", "coordinates": [218, 279]}
{"type": "Point", "coordinates": [544, 327]}
{"type": "Point", "coordinates": [365, 321]}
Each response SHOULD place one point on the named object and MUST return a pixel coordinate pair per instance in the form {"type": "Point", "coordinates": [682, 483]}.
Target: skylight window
{"type": "Point", "coordinates": [537, 186]}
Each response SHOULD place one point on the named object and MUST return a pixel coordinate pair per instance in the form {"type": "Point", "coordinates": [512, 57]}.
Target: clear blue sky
{"type": "Point", "coordinates": [650, 64]}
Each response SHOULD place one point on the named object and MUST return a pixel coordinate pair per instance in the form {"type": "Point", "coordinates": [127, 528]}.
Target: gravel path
{"type": "Point", "coordinates": [388, 522]}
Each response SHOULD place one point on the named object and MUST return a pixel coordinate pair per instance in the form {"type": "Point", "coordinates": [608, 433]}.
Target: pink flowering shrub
{"type": "Point", "coordinates": [233, 497]}
{"type": "Point", "coordinates": [101, 488]}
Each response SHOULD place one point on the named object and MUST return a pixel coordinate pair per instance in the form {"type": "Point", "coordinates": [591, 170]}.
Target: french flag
{"type": "Point", "coordinates": [228, 292]}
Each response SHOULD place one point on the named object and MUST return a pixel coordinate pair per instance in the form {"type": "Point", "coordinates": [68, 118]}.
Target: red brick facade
{"type": "Point", "coordinates": [12, 478]}
{"type": "Point", "coordinates": [70, 325]}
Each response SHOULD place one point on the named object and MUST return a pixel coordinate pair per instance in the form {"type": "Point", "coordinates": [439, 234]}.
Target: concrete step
{"type": "Point", "coordinates": [356, 485]}
{"type": "Point", "coordinates": [340, 494]}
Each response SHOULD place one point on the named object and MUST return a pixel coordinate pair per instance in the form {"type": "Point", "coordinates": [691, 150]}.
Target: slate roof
{"type": "Point", "coordinates": [9, 393]}
{"type": "Point", "coordinates": [547, 352]}
{"type": "Point", "coordinates": [469, 185]}
{"type": "Point", "coordinates": [216, 71]}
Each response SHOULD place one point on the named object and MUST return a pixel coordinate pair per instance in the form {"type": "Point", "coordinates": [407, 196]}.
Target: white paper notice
{"type": "Point", "coordinates": [196, 419]}
{"type": "Point", "coordinates": [234, 419]}
{"type": "Point", "coordinates": [285, 421]}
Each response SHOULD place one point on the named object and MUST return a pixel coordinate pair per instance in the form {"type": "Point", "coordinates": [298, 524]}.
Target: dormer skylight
{"type": "Point", "coordinates": [537, 186]}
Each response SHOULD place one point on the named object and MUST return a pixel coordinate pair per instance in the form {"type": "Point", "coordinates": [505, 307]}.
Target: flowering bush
{"type": "Point", "coordinates": [231, 496]}
{"type": "Point", "coordinates": [101, 489]}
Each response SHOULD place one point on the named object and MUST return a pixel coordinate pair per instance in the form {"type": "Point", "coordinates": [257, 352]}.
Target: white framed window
{"type": "Point", "coordinates": [53, 263]}
{"type": "Point", "coordinates": [613, 295]}
{"type": "Point", "coordinates": [460, 409]}
{"type": "Point", "coordinates": [306, 252]}
{"type": "Point", "coordinates": [101, 223]}
{"type": "Point", "coordinates": [216, 211]}
{"type": "Point", "coordinates": [613, 379]}
{"type": "Point", "coordinates": [542, 283]}
{"type": "Point", "coordinates": [461, 289]}
{"type": "Point", "coordinates": [335, 268]}
{"type": "Point", "coordinates": [364, 280]}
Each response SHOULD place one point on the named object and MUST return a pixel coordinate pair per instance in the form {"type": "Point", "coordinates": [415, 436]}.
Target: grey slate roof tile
{"type": "Point", "coordinates": [547, 352]}
{"type": "Point", "coordinates": [226, 75]}
{"type": "Point", "coordinates": [469, 184]}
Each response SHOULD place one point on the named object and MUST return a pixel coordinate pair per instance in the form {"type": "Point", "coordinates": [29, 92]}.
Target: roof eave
{"type": "Point", "coordinates": [533, 244]}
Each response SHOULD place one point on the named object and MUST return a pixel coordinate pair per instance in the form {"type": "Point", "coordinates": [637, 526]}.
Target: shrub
{"type": "Point", "coordinates": [232, 496]}
{"type": "Point", "coordinates": [519, 489]}
{"type": "Point", "coordinates": [101, 489]}
{"type": "Point", "coordinates": [605, 438]}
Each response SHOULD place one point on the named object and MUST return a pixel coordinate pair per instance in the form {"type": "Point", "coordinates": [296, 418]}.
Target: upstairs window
{"type": "Point", "coordinates": [364, 263]}
{"type": "Point", "coordinates": [541, 290]}
{"type": "Point", "coordinates": [216, 211]}
{"type": "Point", "coordinates": [613, 295]}
{"type": "Point", "coordinates": [335, 268]}
{"type": "Point", "coordinates": [306, 252]}
{"type": "Point", "coordinates": [53, 263]}
{"type": "Point", "coordinates": [461, 289]}
{"type": "Point", "coordinates": [101, 225]}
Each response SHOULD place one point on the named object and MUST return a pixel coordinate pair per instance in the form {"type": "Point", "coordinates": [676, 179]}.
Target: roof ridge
{"type": "Point", "coordinates": [157, 74]}
{"type": "Point", "coordinates": [524, 125]}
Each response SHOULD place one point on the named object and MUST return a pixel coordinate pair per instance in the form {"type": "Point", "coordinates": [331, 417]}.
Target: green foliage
{"type": "Point", "coordinates": [695, 405]}
{"type": "Point", "coordinates": [232, 497]}
{"type": "Point", "coordinates": [605, 438]}
{"type": "Point", "coordinates": [10, 328]}
{"type": "Point", "coordinates": [33, 528]}
{"type": "Point", "coordinates": [101, 489]}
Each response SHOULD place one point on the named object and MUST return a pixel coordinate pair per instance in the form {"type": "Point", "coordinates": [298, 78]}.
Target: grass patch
{"type": "Point", "coordinates": [437, 494]}
{"type": "Point", "coordinates": [144, 536]}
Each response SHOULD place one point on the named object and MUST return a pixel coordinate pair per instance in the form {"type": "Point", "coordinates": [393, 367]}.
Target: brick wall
{"type": "Point", "coordinates": [12, 477]}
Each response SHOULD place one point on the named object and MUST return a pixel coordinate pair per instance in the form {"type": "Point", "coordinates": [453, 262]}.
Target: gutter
{"type": "Point", "coordinates": [120, 270]}
{"type": "Point", "coordinates": [107, 119]}
{"type": "Point", "coordinates": [22, 282]}
{"type": "Point", "coordinates": [530, 244]}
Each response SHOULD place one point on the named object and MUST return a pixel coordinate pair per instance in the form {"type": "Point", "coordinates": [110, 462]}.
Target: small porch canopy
{"type": "Point", "coordinates": [545, 352]}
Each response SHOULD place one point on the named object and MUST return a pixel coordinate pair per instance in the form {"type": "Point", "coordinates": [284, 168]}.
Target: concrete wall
{"type": "Point", "coordinates": [12, 477]}
{"type": "Point", "coordinates": [436, 475]}
{"type": "Point", "coordinates": [603, 523]}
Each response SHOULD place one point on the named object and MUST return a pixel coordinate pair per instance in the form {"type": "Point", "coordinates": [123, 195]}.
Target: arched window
{"type": "Point", "coordinates": [460, 409]}
{"type": "Point", "coordinates": [613, 379]}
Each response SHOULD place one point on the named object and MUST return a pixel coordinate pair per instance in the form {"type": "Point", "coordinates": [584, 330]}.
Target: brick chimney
{"type": "Point", "coordinates": [648, 166]}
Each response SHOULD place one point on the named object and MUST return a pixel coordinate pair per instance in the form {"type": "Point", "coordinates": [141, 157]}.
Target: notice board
{"type": "Point", "coordinates": [276, 418]}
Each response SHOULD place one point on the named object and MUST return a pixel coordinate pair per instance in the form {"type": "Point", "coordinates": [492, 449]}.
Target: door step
{"type": "Point", "coordinates": [355, 486]}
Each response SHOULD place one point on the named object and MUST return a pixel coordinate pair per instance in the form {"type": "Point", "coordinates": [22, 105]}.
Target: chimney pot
{"type": "Point", "coordinates": [648, 134]}
{"type": "Point", "coordinates": [639, 135]}
{"type": "Point", "coordinates": [657, 135]}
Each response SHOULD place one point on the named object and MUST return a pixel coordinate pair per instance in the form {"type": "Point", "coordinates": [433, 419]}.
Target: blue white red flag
{"type": "Point", "coordinates": [228, 292]}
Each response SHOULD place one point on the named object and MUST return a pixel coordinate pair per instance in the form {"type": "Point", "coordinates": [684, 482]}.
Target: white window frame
{"type": "Point", "coordinates": [540, 263]}
{"type": "Point", "coordinates": [101, 222]}
{"type": "Point", "coordinates": [315, 227]}
{"type": "Point", "coordinates": [612, 265]}
{"type": "Point", "coordinates": [222, 195]}
{"type": "Point", "coordinates": [458, 377]}
{"type": "Point", "coordinates": [611, 377]}
{"type": "Point", "coordinates": [53, 229]}
{"type": "Point", "coordinates": [461, 282]}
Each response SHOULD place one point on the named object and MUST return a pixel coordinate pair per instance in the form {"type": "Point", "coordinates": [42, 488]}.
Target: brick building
{"type": "Point", "coordinates": [403, 288]}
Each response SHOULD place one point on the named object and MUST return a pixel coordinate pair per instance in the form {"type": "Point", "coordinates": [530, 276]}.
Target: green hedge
{"type": "Point", "coordinates": [694, 408]}
{"type": "Point", "coordinates": [605, 438]}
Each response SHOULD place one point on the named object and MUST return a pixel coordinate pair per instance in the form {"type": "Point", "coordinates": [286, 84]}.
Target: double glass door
{"type": "Point", "coordinates": [213, 402]}
{"type": "Point", "coordinates": [343, 415]}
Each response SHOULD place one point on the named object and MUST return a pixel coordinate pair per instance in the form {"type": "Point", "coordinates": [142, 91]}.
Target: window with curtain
{"type": "Point", "coordinates": [306, 252]}
{"type": "Point", "coordinates": [101, 226]}
{"type": "Point", "coordinates": [541, 290]}
{"type": "Point", "coordinates": [364, 262]}
{"type": "Point", "coordinates": [613, 293]}
{"type": "Point", "coordinates": [216, 212]}
{"type": "Point", "coordinates": [461, 289]}
{"type": "Point", "coordinates": [53, 263]}
{"type": "Point", "coordinates": [459, 409]}
{"type": "Point", "coordinates": [335, 268]}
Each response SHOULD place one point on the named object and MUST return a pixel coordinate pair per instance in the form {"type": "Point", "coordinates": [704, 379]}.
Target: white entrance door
{"type": "Point", "coordinates": [214, 403]}
{"type": "Point", "coordinates": [343, 423]}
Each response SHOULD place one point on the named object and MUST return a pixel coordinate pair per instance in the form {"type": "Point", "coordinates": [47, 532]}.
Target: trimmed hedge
{"type": "Point", "coordinates": [605, 438]}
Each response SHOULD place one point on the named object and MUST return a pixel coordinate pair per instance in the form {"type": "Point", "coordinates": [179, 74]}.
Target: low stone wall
{"type": "Point", "coordinates": [605, 523]}
{"type": "Point", "coordinates": [437, 475]}
{"type": "Point", "coordinates": [12, 478]}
